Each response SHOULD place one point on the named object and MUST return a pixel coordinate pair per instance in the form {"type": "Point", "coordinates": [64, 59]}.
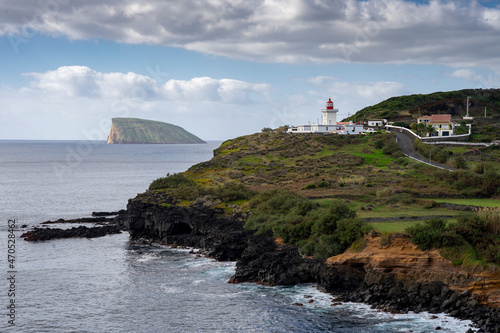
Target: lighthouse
{"type": "Point", "coordinates": [329, 114]}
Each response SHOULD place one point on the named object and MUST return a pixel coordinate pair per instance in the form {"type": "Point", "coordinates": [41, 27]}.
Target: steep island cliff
{"type": "Point", "coordinates": [134, 131]}
{"type": "Point", "coordinates": [291, 209]}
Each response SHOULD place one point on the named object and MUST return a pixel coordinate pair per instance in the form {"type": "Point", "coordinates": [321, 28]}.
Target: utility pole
{"type": "Point", "coordinates": [468, 104]}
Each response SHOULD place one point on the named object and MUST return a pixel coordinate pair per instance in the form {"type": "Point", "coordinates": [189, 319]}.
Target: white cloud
{"type": "Point", "coordinates": [492, 80]}
{"type": "Point", "coordinates": [466, 73]}
{"type": "Point", "coordinates": [81, 81]}
{"type": "Point", "coordinates": [455, 33]}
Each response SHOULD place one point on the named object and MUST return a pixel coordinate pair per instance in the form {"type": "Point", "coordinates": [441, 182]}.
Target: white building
{"type": "Point", "coordinates": [329, 124]}
{"type": "Point", "coordinates": [329, 114]}
{"type": "Point", "coordinates": [443, 126]}
{"type": "Point", "coordinates": [377, 122]}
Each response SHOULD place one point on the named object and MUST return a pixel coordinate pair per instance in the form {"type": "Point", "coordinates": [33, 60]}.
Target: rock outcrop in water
{"type": "Point", "coordinates": [370, 278]}
{"type": "Point", "coordinates": [134, 130]}
{"type": "Point", "coordinates": [43, 234]}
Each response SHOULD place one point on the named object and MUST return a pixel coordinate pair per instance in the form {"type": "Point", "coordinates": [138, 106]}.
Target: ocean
{"type": "Point", "coordinates": [110, 285]}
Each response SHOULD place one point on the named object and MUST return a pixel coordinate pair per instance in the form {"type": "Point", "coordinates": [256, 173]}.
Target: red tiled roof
{"type": "Point", "coordinates": [441, 118]}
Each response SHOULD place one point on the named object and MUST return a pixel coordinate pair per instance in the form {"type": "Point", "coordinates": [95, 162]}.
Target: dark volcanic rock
{"type": "Point", "coordinates": [41, 234]}
{"type": "Point", "coordinates": [199, 227]}
{"type": "Point", "coordinates": [122, 211]}
{"type": "Point", "coordinates": [82, 220]}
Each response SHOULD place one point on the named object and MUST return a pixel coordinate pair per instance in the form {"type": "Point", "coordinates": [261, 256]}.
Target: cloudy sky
{"type": "Point", "coordinates": [224, 68]}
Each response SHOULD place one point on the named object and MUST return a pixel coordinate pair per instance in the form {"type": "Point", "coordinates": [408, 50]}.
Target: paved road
{"type": "Point", "coordinates": [406, 144]}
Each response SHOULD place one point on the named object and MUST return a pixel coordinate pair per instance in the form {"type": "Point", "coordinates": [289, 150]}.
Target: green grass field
{"type": "Point", "coordinates": [474, 202]}
{"type": "Point", "coordinates": [398, 226]}
{"type": "Point", "coordinates": [392, 226]}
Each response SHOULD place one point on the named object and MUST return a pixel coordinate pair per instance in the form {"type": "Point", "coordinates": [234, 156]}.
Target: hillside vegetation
{"type": "Point", "coordinates": [407, 109]}
{"type": "Point", "coordinates": [311, 190]}
{"type": "Point", "coordinates": [451, 102]}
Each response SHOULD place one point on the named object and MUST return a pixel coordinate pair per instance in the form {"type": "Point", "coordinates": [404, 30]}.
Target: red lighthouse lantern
{"type": "Point", "coordinates": [329, 104]}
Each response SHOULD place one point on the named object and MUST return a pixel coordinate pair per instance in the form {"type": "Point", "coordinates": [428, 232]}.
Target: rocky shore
{"type": "Point", "coordinates": [42, 234]}
{"type": "Point", "coordinates": [103, 225]}
{"type": "Point", "coordinates": [260, 259]}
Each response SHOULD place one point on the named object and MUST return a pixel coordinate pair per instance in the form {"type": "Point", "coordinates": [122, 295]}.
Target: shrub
{"type": "Point", "coordinates": [310, 187]}
{"type": "Point", "coordinates": [475, 230]}
{"type": "Point", "coordinates": [429, 234]}
{"type": "Point", "coordinates": [459, 162]}
{"type": "Point", "coordinates": [186, 192]}
{"type": "Point", "coordinates": [323, 184]}
{"type": "Point", "coordinates": [232, 191]}
{"type": "Point", "coordinates": [401, 124]}
{"type": "Point", "coordinates": [322, 231]}
{"type": "Point", "coordinates": [492, 218]}
{"type": "Point", "coordinates": [402, 161]}
{"type": "Point", "coordinates": [436, 153]}
{"type": "Point", "coordinates": [171, 181]}
{"type": "Point", "coordinates": [388, 145]}
{"type": "Point", "coordinates": [349, 230]}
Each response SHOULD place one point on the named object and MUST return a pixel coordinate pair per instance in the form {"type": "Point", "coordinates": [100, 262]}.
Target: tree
{"type": "Point", "coordinates": [421, 129]}
{"type": "Point", "coordinates": [429, 129]}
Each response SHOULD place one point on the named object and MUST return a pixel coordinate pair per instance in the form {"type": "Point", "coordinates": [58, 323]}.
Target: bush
{"type": "Point", "coordinates": [436, 153]}
{"type": "Point", "coordinates": [474, 231]}
{"type": "Point", "coordinates": [185, 192]}
{"type": "Point", "coordinates": [322, 231]}
{"type": "Point", "coordinates": [349, 230]}
{"type": "Point", "coordinates": [171, 181]}
{"type": "Point", "coordinates": [492, 218]}
{"type": "Point", "coordinates": [232, 191]}
{"type": "Point", "coordinates": [401, 124]}
{"type": "Point", "coordinates": [429, 234]}
{"type": "Point", "coordinates": [459, 162]}
{"type": "Point", "coordinates": [388, 145]}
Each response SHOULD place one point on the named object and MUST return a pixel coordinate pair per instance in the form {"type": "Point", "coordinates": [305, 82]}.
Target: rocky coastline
{"type": "Point", "coordinates": [260, 259]}
{"type": "Point", "coordinates": [103, 224]}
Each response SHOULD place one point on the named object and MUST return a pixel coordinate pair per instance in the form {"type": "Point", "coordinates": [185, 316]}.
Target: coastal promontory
{"type": "Point", "coordinates": [135, 130]}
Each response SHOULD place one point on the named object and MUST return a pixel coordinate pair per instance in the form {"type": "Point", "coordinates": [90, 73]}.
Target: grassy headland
{"type": "Point", "coordinates": [314, 190]}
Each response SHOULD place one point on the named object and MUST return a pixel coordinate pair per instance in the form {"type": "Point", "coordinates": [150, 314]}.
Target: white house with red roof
{"type": "Point", "coordinates": [329, 124]}
{"type": "Point", "coordinates": [443, 126]}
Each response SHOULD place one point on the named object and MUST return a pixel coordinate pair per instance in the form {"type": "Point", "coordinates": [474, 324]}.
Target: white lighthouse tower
{"type": "Point", "coordinates": [329, 114]}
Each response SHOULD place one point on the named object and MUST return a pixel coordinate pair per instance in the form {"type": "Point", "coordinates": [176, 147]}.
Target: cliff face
{"type": "Point", "coordinates": [397, 277]}
{"type": "Point", "coordinates": [405, 262]}
{"type": "Point", "coordinates": [133, 130]}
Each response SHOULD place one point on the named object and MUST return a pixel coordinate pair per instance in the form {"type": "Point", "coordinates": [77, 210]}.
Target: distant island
{"type": "Point", "coordinates": [135, 130]}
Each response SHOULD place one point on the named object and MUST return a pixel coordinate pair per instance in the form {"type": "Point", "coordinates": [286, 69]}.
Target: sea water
{"type": "Point", "coordinates": [109, 285]}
